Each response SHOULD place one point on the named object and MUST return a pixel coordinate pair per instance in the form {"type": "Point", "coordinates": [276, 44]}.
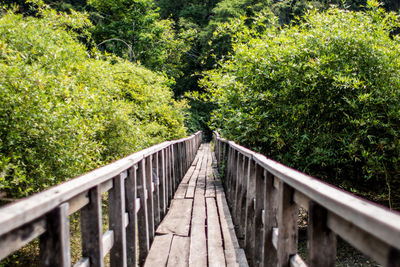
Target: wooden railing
{"type": "Point", "coordinates": [139, 188]}
{"type": "Point", "coordinates": [265, 197]}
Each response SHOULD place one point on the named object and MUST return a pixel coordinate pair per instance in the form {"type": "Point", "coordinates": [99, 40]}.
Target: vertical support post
{"type": "Point", "coordinates": [156, 193]}
{"type": "Point", "coordinates": [143, 223]}
{"type": "Point", "coordinates": [270, 221]}
{"type": "Point", "coordinates": [287, 223]}
{"type": "Point", "coordinates": [250, 213]}
{"type": "Point", "coordinates": [237, 190]}
{"type": "Point", "coordinates": [243, 198]}
{"type": "Point", "coordinates": [91, 227]}
{"type": "Point", "coordinates": [54, 243]}
{"type": "Point", "coordinates": [116, 215]}
{"type": "Point", "coordinates": [322, 241]}
{"type": "Point", "coordinates": [163, 188]}
{"type": "Point", "coordinates": [130, 200]}
{"type": "Point", "coordinates": [150, 200]}
{"type": "Point", "coordinates": [258, 220]}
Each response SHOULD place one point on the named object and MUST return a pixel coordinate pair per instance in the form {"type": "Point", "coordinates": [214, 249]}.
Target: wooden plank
{"type": "Point", "coordinates": [150, 200]}
{"type": "Point", "coordinates": [287, 223]}
{"type": "Point", "coordinates": [159, 252]}
{"type": "Point", "coordinates": [179, 254]}
{"type": "Point", "coordinates": [321, 240]}
{"type": "Point", "coordinates": [108, 241]}
{"type": "Point", "coordinates": [104, 187]}
{"type": "Point", "coordinates": [84, 262]}
{"type": "Point", "coordinates": [116, 215]}
{"type": "Point", "coordinates": [210, 189]}
{"type": "Point", "coordinates": [91, 228]}
{"type": "Point", "coordinates": [235, 258]}
{"type": "Point", "coordinates": [163, 191]}
{"type": "Point", "coordinates": [242, 199]}
{"type": "Point", "coordinates": [54, 243]}
{"type": "Point", "coordinates": [78, 202]}
{"type": "Point", "coordinates": [177, 220]}
{"type": "Point", "coordinates": [192, 184]}
{"type": "Point", "coordinates": [188, 175]}
{"type": "Point", "coordinates": [214, 241]}
{"type": "Point", "coordinates": [143, 225]}
{"type": "Point", "coordinates": [297, 261]}
{"type": "Point", "coordinates": [21, 236]}
{"type": "Point", "coordinates": [270, 219]}
{"type": "Point", "coordinates": [228, 230]}
{"type": "Point", "coordinates": [250, 213]}
{"type": "Point", "coordinates": [365, 242]}
{"type": "Point", "coordinates": [181, 191]}
{"type": "Point", "coordinates": [259, 227]}
{"type": "Point", "coordinates": [131, 206]}
{"type": "Point", "coordinates": [156, 195]}
{"type": "Point", "coordinates": [198, 247]}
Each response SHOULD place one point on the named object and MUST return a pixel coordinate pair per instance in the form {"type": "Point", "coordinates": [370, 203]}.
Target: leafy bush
{"type": "Point", "coordinates": [64, 112]}
{"type": "Point", "coordinates": [322, 95]}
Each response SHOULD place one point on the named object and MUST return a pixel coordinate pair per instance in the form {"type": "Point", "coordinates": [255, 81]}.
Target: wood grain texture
{"type": "Point", "coordinates": [177, 220]}
{"type": "Point", "coordinates": [159, 252]}
{"type": "Point", "coordinates": [179, 254]}
{"type": "Point", "coordinates": [216, 256]}
{"type": "Point", "coordinates": [198, 245]}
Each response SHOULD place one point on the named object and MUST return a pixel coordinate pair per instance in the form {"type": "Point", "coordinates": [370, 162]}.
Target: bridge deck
{"type": "Point", "coordinates": [198, 229]}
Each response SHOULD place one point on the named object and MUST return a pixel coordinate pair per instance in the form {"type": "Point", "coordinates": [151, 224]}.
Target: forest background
{"type": "Point", "coordinates": [313, 84]}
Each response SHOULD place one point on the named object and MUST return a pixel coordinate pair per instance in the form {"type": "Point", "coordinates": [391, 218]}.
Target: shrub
{"type": "Point", "coordinates": [321, 95]}
{"type": "Point", "coordinates": [65, 110]}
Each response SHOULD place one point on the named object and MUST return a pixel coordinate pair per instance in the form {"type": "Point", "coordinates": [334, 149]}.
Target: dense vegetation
{"type": "Point", "coordinates": [317, 95]}
{"type": "Point", "coordinates": [307, 91]}
{"type": "Point", "coordinates": [65, 110]}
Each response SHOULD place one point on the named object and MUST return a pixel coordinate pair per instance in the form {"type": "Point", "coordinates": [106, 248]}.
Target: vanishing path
{"type": "Point", "coordinates": [198, 228]}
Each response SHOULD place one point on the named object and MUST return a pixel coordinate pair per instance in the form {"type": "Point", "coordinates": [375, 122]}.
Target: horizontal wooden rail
{"type": "Point", "coordinates": [140, 188]}
{"type": "Point", "coordinates": [265, 197]}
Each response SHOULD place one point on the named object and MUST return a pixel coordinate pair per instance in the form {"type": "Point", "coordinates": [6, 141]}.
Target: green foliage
{"type": "Point", "coordinates": [321, 96]}
{"type": "Point", "coordinates": [64, 112]}
{"type": "Point", "coordinates": [154, 41]}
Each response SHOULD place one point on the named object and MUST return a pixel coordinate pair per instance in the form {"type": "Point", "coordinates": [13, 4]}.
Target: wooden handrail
{"type": "Point", "coordinates": [278, 191]}
{"type": "Point", "coordinates": [139, 186]}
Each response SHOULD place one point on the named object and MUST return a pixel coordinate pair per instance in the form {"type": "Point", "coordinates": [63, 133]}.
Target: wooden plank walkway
{"type": "Point", "coordinates": [198, 228]}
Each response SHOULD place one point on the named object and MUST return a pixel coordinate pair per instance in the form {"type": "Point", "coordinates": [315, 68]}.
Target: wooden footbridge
{"type": "Point", "coordinates": [166, 206]}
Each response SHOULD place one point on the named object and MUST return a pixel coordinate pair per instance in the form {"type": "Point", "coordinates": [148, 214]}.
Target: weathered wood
{"type": "Point", "coordinates": [156, 194]}
{"type": "Point", "coordinates": [188, 175]}
{"type": "Point", "coordinates": [181, 191]}
{"type": "Point", "coordinates": [321, 240]}
{"type": "Point", "coordinates": [21, 236]}
{"type": "Point", "coordinates": [275, 235]}
{"type": "Point", "coordinates": [108, 241]}
{"type": "Point", "coordinates": [116, 215]}
{"type": "Point", "coordinates": [287, 223]}
{"type": "Point", "coordinates": [84, 262]}
{"type": "Point", "coordinates": [150, 200]}
{"type": "Point", "coordinates": [54, 243]}
{"type": "Point", "coordinates": [376, 248]}
{"type": "Point", "coordinates": [301, 200]}
{"type": "Point", "coordinates": [236, 201]}
{"type": "Point", "coordinates": [107, 185]}
{"type": "Point", "coordinates": [159, 252]}
{"type": "Point", "coordinates": [214, 241]}
{"type": "Point", "coordinates": [297, 261]}
{"type": "Point", "coordinates": [242, 199]}
{"type": "Point", "coordinates": [250, 212]}
{"type": "Point", "coordinates": [78, 202]}
{"type": "Point", "coordinates": [91, 229]}
{"type": "Point", "coordinates": [198, 247]}
{"type": "Point", "coordinates": [270, 219]}
{"type": "Point", "coordinates": [179, 254]}
{"type": "Point", "coordinates": [143, 224]}
{"type": "Point", "coordinates": [235, 258]}
{"type": "Point", "coordinates": [162, 175]}
{"type": "Point", "coordinates": [131, 205]}
{"type": "Point", "coordinates": [177, 220]}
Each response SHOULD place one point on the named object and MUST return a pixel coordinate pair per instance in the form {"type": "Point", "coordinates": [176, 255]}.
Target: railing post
{"type": "Point", "coordinates": [238, 180]}
{"type": "Point", "coordinates": [130, 200]}
{"type": "Point", "coordinates": [250, 213]}
{"type": "Point", "coordinates": [270, 220]}
{"type": "Point", "coordinates": [163, 188]}
{"type": "Point", "coordinates": [150, 191]}
{"type": "Point", "coordinates": [156, 193]}
{"type": "Point", "coordinates": [242, 198]}
{"type": "Point", "coordinates": [143, 223]}
{"type": "Point", "coordinates": [54, 243]}
{"type": "Point", "coordinates": [322, 241]}
{"type": "Point", "coordinates": [116, 214]}
{"type": "Point", "coordinates": [287, 223]}
{"type": "Point", "coordinates": [91, 227]}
